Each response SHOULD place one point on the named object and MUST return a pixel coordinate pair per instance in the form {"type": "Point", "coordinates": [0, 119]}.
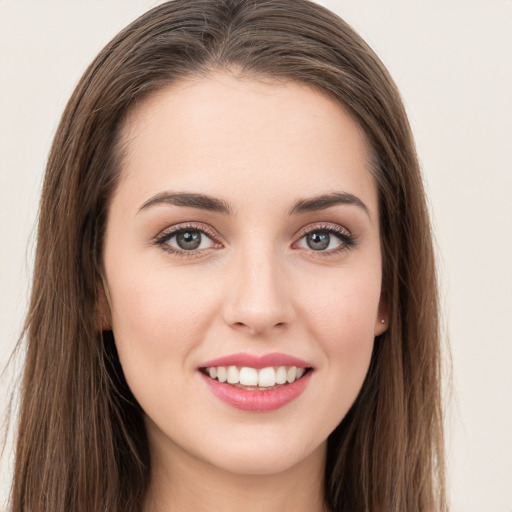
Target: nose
{"type": "Point", "coordinates": [258, 301]}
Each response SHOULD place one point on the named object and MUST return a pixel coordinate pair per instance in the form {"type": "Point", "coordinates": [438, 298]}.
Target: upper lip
{"type": "Point", "coordinates": [257, 361]}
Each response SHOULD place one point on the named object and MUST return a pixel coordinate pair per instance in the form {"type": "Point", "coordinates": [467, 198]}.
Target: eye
{"type": "Point", "coordinates": [187, 239]}
{"type": "Point", "coordinates": [326, 239]}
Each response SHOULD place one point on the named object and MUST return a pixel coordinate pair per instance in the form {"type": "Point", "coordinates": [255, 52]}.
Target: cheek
{"type": "Point", "coordinates": [342, 319]}
{"type": "Point", "coordinates": [157, 325]}
{"type": "Point", "coordinates": [344, 309]}
{"type": "Point", "coordinates": [155, 317]}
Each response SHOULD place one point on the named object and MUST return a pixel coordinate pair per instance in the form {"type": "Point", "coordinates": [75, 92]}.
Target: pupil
{"type": "Point", "coordinates": [318, 240]}
{"type": "Point", "coordinates": [188, 239]}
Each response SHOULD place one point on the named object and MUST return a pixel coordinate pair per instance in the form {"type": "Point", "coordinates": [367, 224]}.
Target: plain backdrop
{"type": "Point", "coordinates": [452, 61]}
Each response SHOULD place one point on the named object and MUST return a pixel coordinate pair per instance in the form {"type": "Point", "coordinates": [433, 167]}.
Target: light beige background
{"type": "Point", "coordinates": [452, 62]}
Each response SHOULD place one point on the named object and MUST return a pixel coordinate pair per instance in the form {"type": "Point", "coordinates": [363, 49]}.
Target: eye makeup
{"type": "Point", "coordinates": [188, 240]}
{"type": "Point", "coordinates": [190, 231]}
{"type": "Point", "coordinates": [325, 231]}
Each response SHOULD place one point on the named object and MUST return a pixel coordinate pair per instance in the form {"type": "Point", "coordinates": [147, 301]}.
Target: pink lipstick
{"type": "Point", "coordinates": [256, 383]}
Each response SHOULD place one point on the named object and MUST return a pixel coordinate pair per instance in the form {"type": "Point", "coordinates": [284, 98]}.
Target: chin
{"type": "Point", "coordinates": [266, 456]}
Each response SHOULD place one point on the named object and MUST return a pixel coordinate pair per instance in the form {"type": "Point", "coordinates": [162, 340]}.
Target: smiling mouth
{"type": "Point", "coordinates": [256, 379]}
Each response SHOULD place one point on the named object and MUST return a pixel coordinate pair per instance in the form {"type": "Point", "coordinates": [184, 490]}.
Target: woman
{"type": "Point", "coordinates": [234, 297]}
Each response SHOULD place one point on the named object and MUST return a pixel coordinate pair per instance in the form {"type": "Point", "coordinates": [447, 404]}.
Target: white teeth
{"type": "Point", "coordinates": [233, 375]}
{"type": "Point", "coordinates": [263, 378]}
{"type": "Point", "coordinates": [281, 375]}
{"type": "Point", "coordinates": [248, 376]}
{"type": "Point", "coordinates": [267, 377]}
{"type": "Point", "coordinates": [222, 374]}
{"type": "Point", "coordinates": [291, 375]}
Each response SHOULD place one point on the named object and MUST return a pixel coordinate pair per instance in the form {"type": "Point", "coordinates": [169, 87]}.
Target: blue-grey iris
{"type": "Point", "coordinates": [188, 240]}
{"type": "Point", "coordinates": [318, 240]}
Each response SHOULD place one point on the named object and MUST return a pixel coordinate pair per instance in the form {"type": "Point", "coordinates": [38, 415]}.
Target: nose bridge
{"type": "Point", "coordinates": [258, 298]}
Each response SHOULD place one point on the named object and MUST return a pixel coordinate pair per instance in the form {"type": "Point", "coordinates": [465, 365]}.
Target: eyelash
{"type": "Point", "coordinates": [347, 240]}
{"type": "Point", "coordinates": [163, 238]}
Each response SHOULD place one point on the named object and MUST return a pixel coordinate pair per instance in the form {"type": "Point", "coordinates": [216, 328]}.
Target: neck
{"type": "Point", "coordinates": [179, 481]}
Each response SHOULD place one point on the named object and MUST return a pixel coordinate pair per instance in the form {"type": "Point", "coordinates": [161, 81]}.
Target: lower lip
{"type": "Point", "coordinates": [257, 401]}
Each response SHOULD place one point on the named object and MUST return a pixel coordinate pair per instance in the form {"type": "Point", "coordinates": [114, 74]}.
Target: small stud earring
{"type": "Point", "coordinates": [383, 321]}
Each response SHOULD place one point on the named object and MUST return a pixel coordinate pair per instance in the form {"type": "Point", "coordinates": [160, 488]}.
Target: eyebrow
{"type": "Point", "coordinates": [190, 199]}
{"type": "Point", "coordinates": [324, 201]}
{"type": "Point", "coordinates": [213, 204]}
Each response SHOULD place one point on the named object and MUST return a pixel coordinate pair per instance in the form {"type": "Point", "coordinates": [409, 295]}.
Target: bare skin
{"type": "Point", "coordinates": [190, 485]}
{"type": "Point", "coordinates": [279, 169]}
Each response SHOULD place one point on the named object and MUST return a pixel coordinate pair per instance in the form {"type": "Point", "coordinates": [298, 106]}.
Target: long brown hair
{"type": "Point", "coordinates": [81, 442]}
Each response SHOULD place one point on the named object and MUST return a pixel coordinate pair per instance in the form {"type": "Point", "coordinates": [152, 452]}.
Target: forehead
{"type": "Point", "coordinates": [222, 133]}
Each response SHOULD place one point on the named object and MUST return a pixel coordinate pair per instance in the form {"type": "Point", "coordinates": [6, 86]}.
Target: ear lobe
{"type": "Point", "coordinates": [380, 326]}
{"type": "Point", "coordinates": [382, 320]}
{"type": "Point", "coordinates": [103, 314]}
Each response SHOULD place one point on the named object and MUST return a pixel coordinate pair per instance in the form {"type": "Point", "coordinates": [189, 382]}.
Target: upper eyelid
{"type": "Point", "coordinates": [170, 231]}
{"type": "Point", "coordinates": [163, 237]}
{"type": "Point", "coordinates": [326, 226]}
{"type": "Point", "coordinates": [212, 234]}
{"type": "Point", "coordinates": [208, 230]}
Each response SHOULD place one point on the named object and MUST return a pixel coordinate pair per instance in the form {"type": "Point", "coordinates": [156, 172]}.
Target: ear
{"type": "Point", "coordinates": [103, 312]}
{"type": "Point", "coordinates": [382, 320]}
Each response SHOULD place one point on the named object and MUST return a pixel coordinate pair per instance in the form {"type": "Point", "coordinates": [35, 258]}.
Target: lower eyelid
{"type": "Point", "coordinates": [345, 238]}
{"type": "Point", "coordinates": [166, 240]}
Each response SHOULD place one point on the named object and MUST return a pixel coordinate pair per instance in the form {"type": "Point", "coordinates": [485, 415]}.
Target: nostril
{"type": "Point", "coordinates": [247, 326]}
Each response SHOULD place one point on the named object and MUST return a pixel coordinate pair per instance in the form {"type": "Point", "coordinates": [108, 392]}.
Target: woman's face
{"type": "Point", "coordinates": [243, 236]}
